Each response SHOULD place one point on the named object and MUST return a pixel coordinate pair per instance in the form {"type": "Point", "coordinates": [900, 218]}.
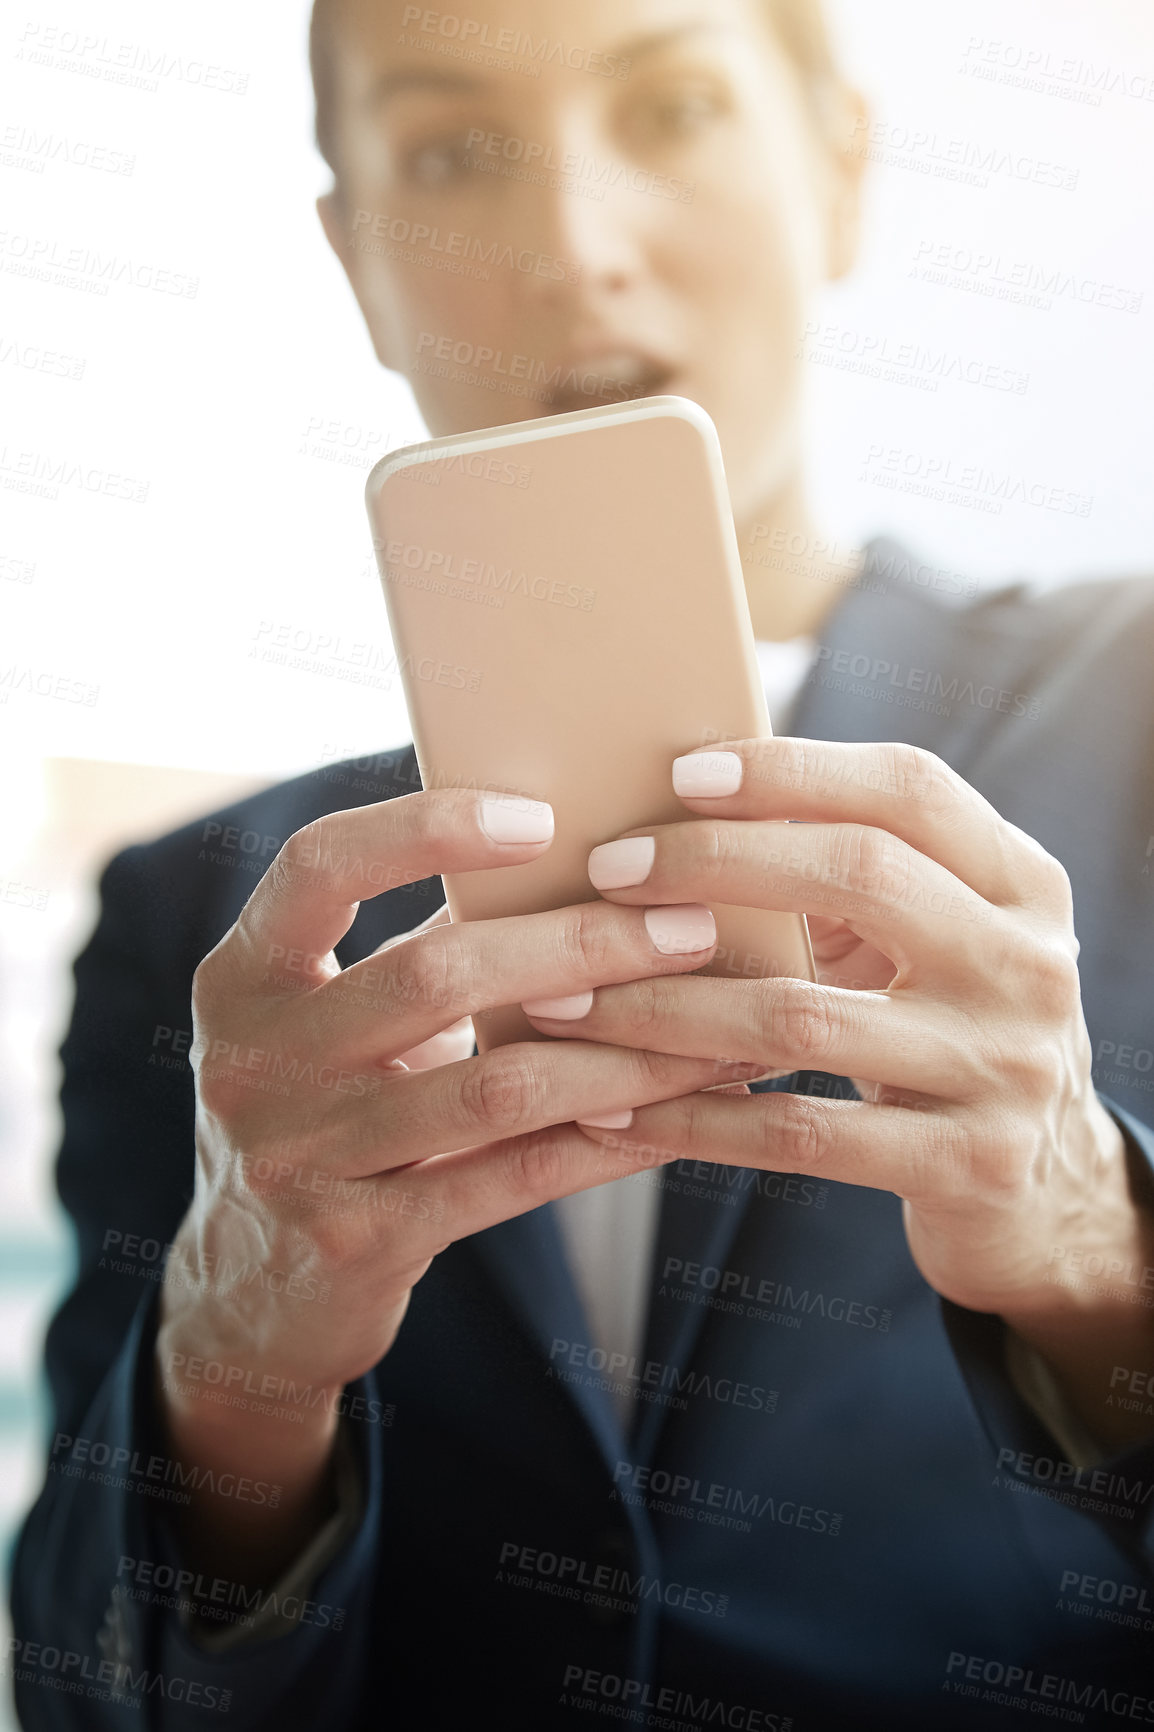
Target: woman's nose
{"type": "Point", "coordinates": [581, 217]}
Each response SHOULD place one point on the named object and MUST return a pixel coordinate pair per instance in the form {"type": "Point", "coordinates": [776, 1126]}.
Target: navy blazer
{"type": "Point", "coordinates": [831, 1510]}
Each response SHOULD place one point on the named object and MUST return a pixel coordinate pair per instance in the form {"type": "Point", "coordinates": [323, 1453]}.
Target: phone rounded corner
{"type": "Point", "coordinates": [685, 409]}
{"type": "Point", "coordinates": [388, 465]}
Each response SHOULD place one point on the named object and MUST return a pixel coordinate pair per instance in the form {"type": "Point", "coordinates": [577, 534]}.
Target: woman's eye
{"type": "Point", "coordinates": [685, 112]}
{"type": "Point", "coordinates": [438, 162]}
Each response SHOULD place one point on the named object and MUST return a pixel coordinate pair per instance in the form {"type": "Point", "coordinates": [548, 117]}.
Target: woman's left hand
{"type": "Point", "coordinates": [948, 991]}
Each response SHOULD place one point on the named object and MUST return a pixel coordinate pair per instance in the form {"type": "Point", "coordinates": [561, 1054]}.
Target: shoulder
{"type": "Point", "coordinates": [1074, 624]}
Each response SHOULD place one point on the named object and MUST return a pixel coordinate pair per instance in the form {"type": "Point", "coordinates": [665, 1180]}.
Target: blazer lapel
{"type": "Point", "coordinates": [525, 1259]}
{"type": "Point", "coordinates": [698, 1222]}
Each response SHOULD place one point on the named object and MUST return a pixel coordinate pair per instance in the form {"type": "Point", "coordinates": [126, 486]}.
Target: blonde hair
{"type": "Point", "coordinates": [800, 26]}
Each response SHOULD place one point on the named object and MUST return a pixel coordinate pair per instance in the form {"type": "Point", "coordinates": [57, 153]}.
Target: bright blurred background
{"type": "Point", "coordinates": [247, 411]}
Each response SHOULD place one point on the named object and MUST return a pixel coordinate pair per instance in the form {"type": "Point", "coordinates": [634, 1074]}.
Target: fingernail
{"type": "Point", "coordinates": [617, 865]}
{"type": "Point", "coordinates": [564, 1009]}
{"type": "Point", "coordinates": [681, 928]}
{"type": "Point", "coordinates": [707, 775]}
{"type": "Point", "coordinates": [608, 1121]}
{"type": "Point", "coordinates": [516, 820]}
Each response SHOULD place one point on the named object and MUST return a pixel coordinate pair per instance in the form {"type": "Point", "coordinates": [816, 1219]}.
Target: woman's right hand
{"type": "Point", "coordinates": [329, 1174]}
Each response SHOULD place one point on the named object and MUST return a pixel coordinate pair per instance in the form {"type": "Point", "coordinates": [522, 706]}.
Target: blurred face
{"type": "Point", "coordinates": [644, 208]}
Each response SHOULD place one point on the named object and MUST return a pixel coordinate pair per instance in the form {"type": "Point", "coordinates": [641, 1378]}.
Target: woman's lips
{"type": "Point", "coordinates": [608, 379]}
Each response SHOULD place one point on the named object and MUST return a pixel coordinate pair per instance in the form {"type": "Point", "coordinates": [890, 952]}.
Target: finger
{"type": "Point", "coordinates": [308, 898]}
{"type": "Point", "coordinates": [453, 1043]}
{"type": "Point", "coordinates": [916, 1152]}
{"type": "Point", "coordinates": [431, 979]}
{"type": "Point", "coordinates": [907, 906]}
{"type": "Point", "coordinates": [893, 787]}
{"type": "Point", "coordinates": [509, 1092]}
{"type": "Point", "coordinates": [789, 1025]}
{"type": "Point", "coordinates": [473, 1189]}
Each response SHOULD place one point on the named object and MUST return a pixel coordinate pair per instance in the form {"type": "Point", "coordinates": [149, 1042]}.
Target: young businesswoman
{"type": "Point", "coordinates": [661, 186]}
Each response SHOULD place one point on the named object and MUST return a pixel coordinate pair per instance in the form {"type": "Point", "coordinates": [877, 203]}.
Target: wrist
{"type": "Point", "coordinates": [1090, 1314]}
{"type": "Point", "coordinates": [257, 1476]}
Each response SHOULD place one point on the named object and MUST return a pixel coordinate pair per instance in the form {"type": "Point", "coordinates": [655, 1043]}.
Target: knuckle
{"type": "Point", "coordinates": [799, 1026]}
{"type": "Point", "coordinates": [536, 1166]}
{"type": "Point", "coordinates": [877, 865]}
{"type": "Point", "coordinates": [1050, 979]}
{"type": "Point", "coordinates": [499, 1091]}
{"type": "Point", "coordinates": [647, 1007]}
{"type": "Point", "coordinates": [334, 1239]}
{"type": "Point", "coordinates": [655, 1073]}
{"type": "Point", "coordinates": [921, 777]}
{"type": "Point", "coordinates": [429, 814]}
{"type": "Point", "coordinates": [302, 855]}
{"type": "Point", "coordinates": [206, 983]}
{"type": "Point", "coordinates": [432, 818]}
{"type": "Point", "coordinates": [797, 1139]}
{"type": "Point", "coordinates": [584, 944]}
{"type": "Point", "coordinates": [719, 849]}
{"type": "Point", "coordinates": [420, 973]}
{"type": "Point", "coordinates": [1057, 884]}
{"type": "Point", "coordinates": [990, 1162]}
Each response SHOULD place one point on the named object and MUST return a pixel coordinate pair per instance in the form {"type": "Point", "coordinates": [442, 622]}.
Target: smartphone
{"type": "Point", "coordinates": [568, 615]}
